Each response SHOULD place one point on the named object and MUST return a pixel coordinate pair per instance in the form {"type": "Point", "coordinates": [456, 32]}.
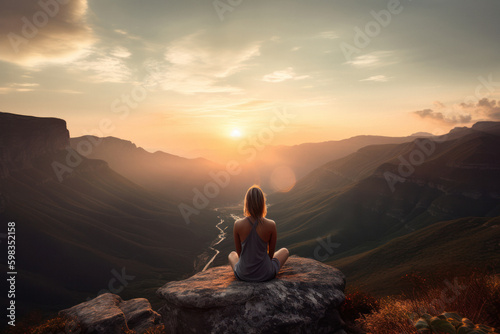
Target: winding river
{"type": "Point", "coordinates": [222, 236]}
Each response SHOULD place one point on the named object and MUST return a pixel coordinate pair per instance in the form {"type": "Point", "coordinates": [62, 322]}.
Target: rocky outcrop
{"type": "Point", "coordinates": [25, 138]}
{"type": "Point", "coordinates": [108, 313]}
{"type": "Point", "coordinates": [303, 298]}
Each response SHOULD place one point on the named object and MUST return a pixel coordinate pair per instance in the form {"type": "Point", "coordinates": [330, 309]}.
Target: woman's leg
{"type": "Point", "coordinates": [282, 255]}
{"type": "Point", "coordinates": [233, 259]}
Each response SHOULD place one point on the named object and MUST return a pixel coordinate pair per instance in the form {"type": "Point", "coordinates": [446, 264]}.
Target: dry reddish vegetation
{"type": "Point", "coordinates": [476, 297]}
{"type": "Point", "coordinates": [61, 325]}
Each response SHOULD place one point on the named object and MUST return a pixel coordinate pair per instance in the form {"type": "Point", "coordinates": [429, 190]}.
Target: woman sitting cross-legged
{"type": "Point", "coordinates": [255, 240]}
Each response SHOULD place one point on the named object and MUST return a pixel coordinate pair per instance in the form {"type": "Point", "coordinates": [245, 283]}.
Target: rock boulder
{"type": "Point", "coordinates": [303, 298]}
{"type": "Point", "coordinates": [108, 313]}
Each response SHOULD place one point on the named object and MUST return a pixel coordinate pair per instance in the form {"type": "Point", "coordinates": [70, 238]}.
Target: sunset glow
{"type": "Point", "coordinates": [181, 87]}
{"type": "Point", "coordinates": [250, 166]}
{"type": "Point", "coordinates": [235, 133]}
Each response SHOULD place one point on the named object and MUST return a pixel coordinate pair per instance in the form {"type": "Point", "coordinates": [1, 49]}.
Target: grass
{"type": "Point", "coordinates": [475, 296]}
{"type": "Point", "coordinates": [452, 247]}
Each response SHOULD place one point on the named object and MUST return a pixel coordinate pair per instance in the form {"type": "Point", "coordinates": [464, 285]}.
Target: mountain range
{"type": "Point", "coordinates": [162, 173]}
{"type": "Point", "coordinates": [91, 210]}
{"type": "Point", "coordinates": [384, 191]}
{"type": "Point", "coordinates": [79, 223]}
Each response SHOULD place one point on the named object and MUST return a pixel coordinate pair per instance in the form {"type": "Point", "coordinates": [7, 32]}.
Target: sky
{"type": "Point", "coordinates": [189, 76]}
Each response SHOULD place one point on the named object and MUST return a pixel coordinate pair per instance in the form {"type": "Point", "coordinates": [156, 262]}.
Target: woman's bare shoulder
{"type": "Point", "coordinates": [240, 221]}
{"type": "Point", "coordinates": [268, 221]}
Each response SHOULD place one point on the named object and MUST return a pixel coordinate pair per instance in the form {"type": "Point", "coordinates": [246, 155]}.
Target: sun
{"type": "Point", "coordinates": [236, 133]}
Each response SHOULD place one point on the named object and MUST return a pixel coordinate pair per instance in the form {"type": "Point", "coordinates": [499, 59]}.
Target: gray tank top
{"type": "Point", "coordinates": [254, 263]}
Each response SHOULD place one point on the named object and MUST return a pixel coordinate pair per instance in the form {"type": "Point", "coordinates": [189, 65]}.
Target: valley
{"type": "Point", "coordinates": [118, 209]}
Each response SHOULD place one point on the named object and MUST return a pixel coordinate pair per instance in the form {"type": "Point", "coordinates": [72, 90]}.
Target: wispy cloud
{"type": "Point", "coordinates": [30, 87]}
{"type": "Point", "coordinates": [328, 35]}
{"type": "Point", "coordinates": [120, 52]}
{"type": "Point", "coordinates": [19, 87]}
{"type": "Point", "coordinates": [376, 58]}
{"type": "Point", "coordinates": [228, 107]}
{"type": "Point", "coordinates": [190, 66]}
{"type": "Point", "coordinates": [60, 33]}
{"type": "Point", "coordinates": [376, 78]}
{"type": "Point", "coordinates": [105, 64]}
{"type": "Point", "coordinates": [283, 75]}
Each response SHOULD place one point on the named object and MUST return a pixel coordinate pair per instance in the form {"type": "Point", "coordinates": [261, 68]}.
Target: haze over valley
{"type": "Point", "coordinates": [89, 216]}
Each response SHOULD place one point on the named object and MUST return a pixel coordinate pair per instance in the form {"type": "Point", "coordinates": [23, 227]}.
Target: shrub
{"type": "Point", "coordinates": [159, 329]}
{"type": "Point", "coordinates": [356, 304]}
{"type": "Point", "coordinates": [57, 325]}
{"type": "Point", "coordinates": [476, 297]}
{"type": "Point", "coordinates": [393, 317]}
{"type": "Point", "coordinates": [62, 325]}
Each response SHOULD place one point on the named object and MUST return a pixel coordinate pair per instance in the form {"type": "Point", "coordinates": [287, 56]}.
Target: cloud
{"type": "Point", "coordinates": [483, 110]}
{"type": "Point", "coordinates": [19, 87]}
{"type": "Point", "coordinates": [191, 66]}
{"type": "Point", "coordinates": [279, 76]}
{"type": "Point", "coordinates": [105, 64]}
{"type": "Point", "coordinates": [30, 87]}
{"type": "Point", "coordinates": [120, 52]}
{"type": "Point", "coordinates": [229, 107]}
{"type": "Point", "coordinates": [436, 115]}
{"type": "Point", "coordinates": [376, 78]}
{"type": "Point", "coordinates": [34, 32]}
{"type": "Point", "coordinates": [328, 35]}
{"type": "Point", "coordinates": [282, 75]}
{"type": "Point", "coordinates": [371, 59]}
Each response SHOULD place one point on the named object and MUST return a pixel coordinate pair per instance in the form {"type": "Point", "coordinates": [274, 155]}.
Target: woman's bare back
{"type": "Point", "coordinates": [265, 228]}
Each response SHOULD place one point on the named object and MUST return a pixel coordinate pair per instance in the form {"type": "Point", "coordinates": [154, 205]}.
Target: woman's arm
{"type": "Point", "coordinates": [272, 241]}
{"type": "Point", "coordinates": [237, 241]}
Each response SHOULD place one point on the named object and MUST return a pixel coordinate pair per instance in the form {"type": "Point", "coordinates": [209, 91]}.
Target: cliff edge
{"type": "Point", "coordinates": [24, 139]}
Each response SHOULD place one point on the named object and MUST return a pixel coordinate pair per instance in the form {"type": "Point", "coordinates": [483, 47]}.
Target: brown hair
{"type": "Point", "coordinates": [255, 203]}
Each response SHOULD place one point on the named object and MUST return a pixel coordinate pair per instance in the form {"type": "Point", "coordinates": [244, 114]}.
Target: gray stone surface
{"type": "Point", "coordinates": [108, 313]}
{"type": "Point", "coordinates": [303, 298]}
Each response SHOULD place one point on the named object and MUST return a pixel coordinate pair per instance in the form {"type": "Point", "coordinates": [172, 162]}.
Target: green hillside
{"type": "Point", "coordinates": [454, 247]}
{"type": "Point", "coordinates": [351, 201]}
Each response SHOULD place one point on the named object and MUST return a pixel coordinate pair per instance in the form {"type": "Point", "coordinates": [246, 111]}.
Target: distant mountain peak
{"type": "Point", "coordinates": [486, 126]}
{"type": "Point", "coordinates": [421, 134]}
{"type": "Point", "coordinates": [490, 127]}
